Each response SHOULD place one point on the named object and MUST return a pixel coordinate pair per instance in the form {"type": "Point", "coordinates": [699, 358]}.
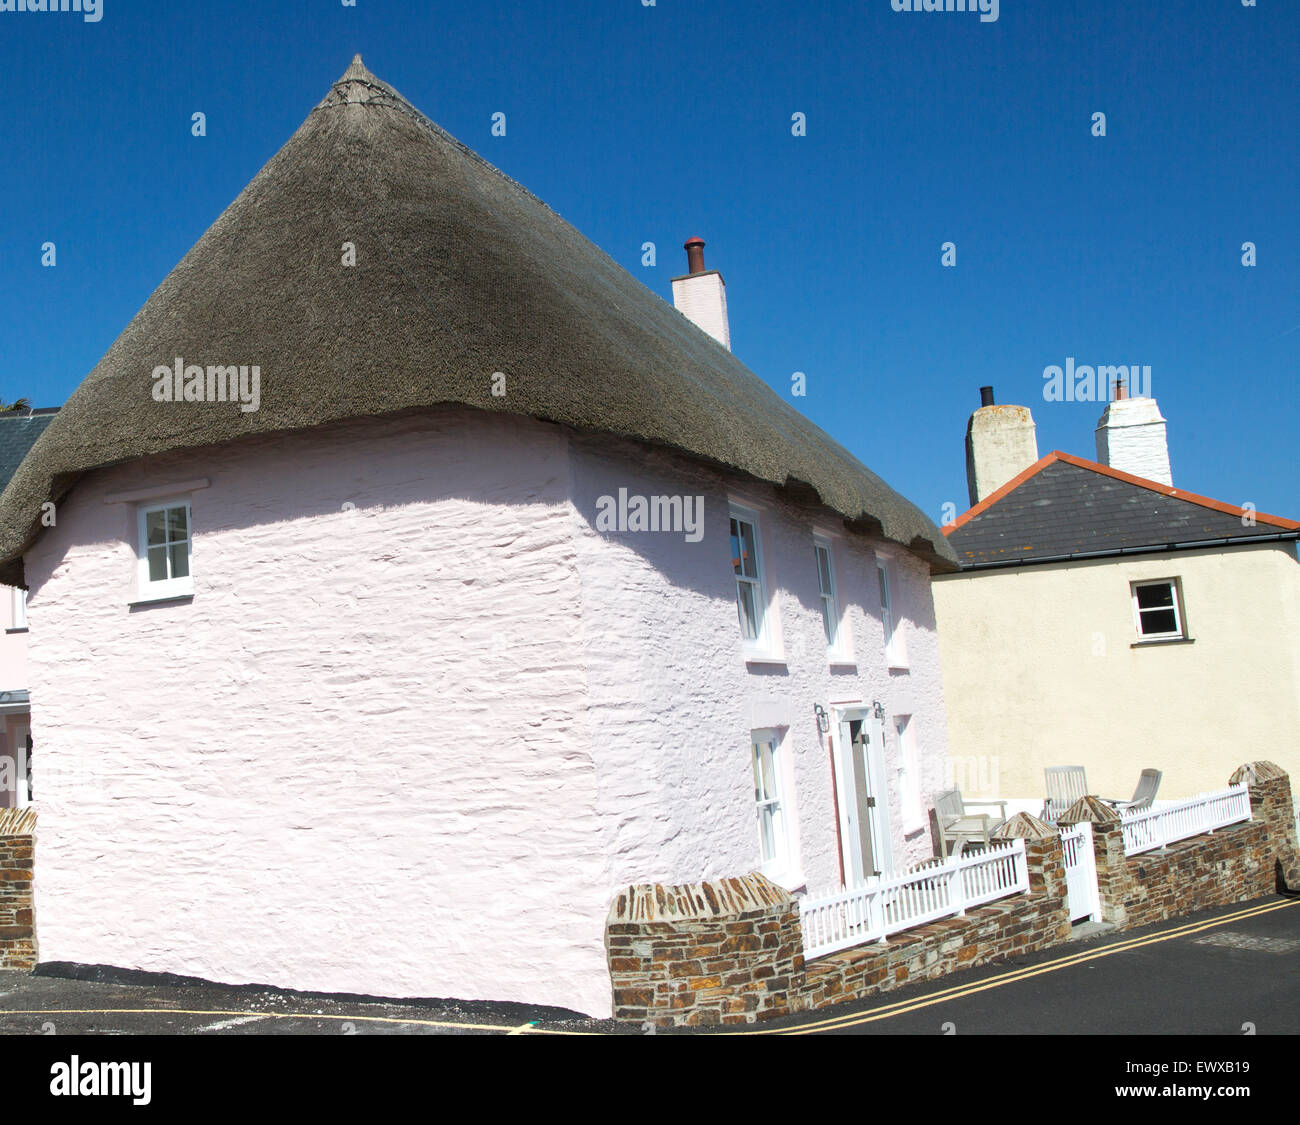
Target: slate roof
{"type": "Point", "coordinates": [19, 430]}
{"type": "Point", "coordinates": [1065, 507]}
{"type": "Point", "coordinates": [459, 273]}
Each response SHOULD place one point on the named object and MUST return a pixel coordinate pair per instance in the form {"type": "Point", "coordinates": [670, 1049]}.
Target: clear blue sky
{"type": "Point", "coordinates": [655, 123]}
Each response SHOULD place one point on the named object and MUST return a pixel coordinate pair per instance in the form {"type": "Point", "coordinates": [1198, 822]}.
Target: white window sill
{"type": "Point", "coordinates": [841, 660]}
{"type": "Point", "coordinates": [897, 666]}
{"type": "Point", "coordinates": [1147, 641]}
{"type": "Point", "coordinates": [771, 658]}
{"type": "Point", "coordinates": [792, 881]}
{"type": "Point", "coordinates": [173, 595]}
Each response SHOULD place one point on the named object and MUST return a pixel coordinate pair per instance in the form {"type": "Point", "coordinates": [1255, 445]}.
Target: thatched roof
{"type": "Point", "coordinates": [459, 273]}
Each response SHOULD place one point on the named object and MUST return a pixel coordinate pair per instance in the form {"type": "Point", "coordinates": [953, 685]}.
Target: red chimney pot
{"type": "Point", "coordinates": [695, 255]}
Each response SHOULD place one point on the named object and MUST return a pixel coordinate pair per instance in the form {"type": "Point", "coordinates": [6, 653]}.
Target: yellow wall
{"type": "Point", "coordinates": [1039, 670]}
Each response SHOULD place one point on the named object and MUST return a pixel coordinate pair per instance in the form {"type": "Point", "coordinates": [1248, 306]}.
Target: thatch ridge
{"type": "Point", "coordinates": [460, 273]}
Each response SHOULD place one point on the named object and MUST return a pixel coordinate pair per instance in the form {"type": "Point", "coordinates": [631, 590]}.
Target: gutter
{"type": "Point", "coordinates": [1189, 545]}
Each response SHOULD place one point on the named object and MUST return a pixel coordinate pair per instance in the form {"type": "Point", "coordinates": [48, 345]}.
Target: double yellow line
{"type": "Point", "coordinates": [903, 1006]}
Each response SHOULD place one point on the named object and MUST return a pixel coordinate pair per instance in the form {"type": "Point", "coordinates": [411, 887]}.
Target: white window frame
{"type": "Point", "coordinates": [895, 649]}
{"type": "Point", "coordinates": [839, 649]}
{"type": "Point", "coordinates": [766, 645]}
{"type": "Point", "coordinates": [22, 767]}
{"type": "Point", "coordinates": [909, 776]}
{"type": "Point", "coordinates": [19, 608]}
{"type": "Point", "coordinates": [1180, 617]}
{"type": "Point", "coordinates": [783, 865]}
{"type": "Point", "coordinates": [149, 591]}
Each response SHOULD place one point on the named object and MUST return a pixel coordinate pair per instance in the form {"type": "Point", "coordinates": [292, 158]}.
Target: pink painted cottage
{"type": "Point", "coordinates": [420, 579]}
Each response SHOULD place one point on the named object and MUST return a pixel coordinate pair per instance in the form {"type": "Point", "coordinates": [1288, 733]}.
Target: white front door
{"type": "Point", "coordinates": [862, 797]}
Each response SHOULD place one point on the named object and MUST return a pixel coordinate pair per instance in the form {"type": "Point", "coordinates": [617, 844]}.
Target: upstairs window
{"type": "Point", "coordinates": [164, 553]}
{"type": "Point", "coordinates": [826, 585]}
{"type": "Point", "coordinates": [895, 655]}
{"type": "Point", "coordinates": [19, 608]}
{"type": "Point", "coordinates": [752, 601]}
{"type": "Point", "coordinates": [1158, 611]}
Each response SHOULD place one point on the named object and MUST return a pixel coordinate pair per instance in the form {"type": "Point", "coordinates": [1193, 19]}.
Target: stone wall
{"type": "Point", "coordinates": [17, 936]}
{"type": "Point", "coordinates": [1234, 864]}
{"type": "Point", "coordinates": [1272, 801]}
{"type": "Point", "coordinates": [724, 952]}
{"type": "Point", "coordinates": [731, 951]}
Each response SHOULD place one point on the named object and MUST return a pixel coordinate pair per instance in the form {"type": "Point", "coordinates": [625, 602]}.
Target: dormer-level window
{"type": "Point", "coordinates": [164, 553]}
{"type": "Point", "coordinates": [1158, 611]}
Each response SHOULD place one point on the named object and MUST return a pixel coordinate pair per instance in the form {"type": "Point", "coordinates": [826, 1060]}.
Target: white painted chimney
{"type": "Point", "coordinates": [1001, 443]}
{"type": "Point", "coordinates": [1131, 437]}
{"type": "Point", "coordinates": [701, 295]}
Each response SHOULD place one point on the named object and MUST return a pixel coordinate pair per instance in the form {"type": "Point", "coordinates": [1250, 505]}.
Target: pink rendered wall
{"type": "Point", "coordinates": [414, 748]}
{"type": "Point", "coordinates": [357, 761]}
{"type": "Point", "coordinates": [673, 700]}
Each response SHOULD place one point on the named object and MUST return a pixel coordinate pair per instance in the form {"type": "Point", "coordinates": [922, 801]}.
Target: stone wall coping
{"type": "Point", "coordinates": [1252, 772]}
{"type": "Point", "coordinates": [1025, 826]}
{"type": "Point", "coordinates": [655, 902]}
{"type": "Point", "coordinates": [1089, 808]}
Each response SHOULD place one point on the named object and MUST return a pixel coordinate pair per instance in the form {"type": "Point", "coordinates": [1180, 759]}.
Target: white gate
{"type": "Point", "coordinates": [1081, 872]}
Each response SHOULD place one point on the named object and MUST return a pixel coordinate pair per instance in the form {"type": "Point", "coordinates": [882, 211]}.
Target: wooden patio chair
{"type": "Point", "coordinates": [955, 825]}
{"type": "Point", "coordinates": [1147, 787]}
{"type": "Point", "coordinates": [1065, 785]}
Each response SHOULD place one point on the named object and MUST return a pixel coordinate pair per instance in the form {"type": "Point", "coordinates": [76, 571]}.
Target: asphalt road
{"type": "Point", "coordinates": [1228, 971]}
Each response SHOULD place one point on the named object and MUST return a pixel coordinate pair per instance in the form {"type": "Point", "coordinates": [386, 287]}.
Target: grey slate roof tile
{"type": "Point", "coordinates": [1068, 508]}
{"type": "Point", "coordinates": [18, 433]}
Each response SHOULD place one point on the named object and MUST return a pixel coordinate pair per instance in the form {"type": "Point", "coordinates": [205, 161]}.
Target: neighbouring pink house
{"type": "Point", "coordinates": [464, 582]}
{"type": "Point", "coordinates": [19, 429]}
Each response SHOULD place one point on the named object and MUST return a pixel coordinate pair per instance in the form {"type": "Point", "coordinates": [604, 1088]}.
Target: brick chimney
{"type": "Point", "coordinates": [1131, 437]}
{"type": "Point", "coordinates": [701, 295]}
{"type": "Point", "coordinates": [1001, 443]}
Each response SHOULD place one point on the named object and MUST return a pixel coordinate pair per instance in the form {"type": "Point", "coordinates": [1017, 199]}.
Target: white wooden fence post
{"type": "Point", "coordinates": [957, 897]}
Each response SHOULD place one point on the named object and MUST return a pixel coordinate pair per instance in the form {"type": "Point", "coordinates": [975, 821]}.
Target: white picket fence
{"type": "Point", "coordinates": [1154, 828]}
{"type": "Point", "coordinates": [876, 908]}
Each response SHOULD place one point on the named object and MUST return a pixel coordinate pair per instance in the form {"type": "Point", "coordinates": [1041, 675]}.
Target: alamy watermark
{"type": "Point", "coordinates": [988, 9]}
{"type": "Point", "coordinates": [683, 514]}
{"type": "Point", "coordinates": [92, 11]}
{"type": "Point", "coordinates": [1085, 383]}
{"type": "Point", "coordinates": [193, 383]}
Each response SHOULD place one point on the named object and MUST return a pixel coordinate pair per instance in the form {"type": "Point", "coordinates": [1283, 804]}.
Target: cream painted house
{"type": "Point", "coordinates": [1106, 619]}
